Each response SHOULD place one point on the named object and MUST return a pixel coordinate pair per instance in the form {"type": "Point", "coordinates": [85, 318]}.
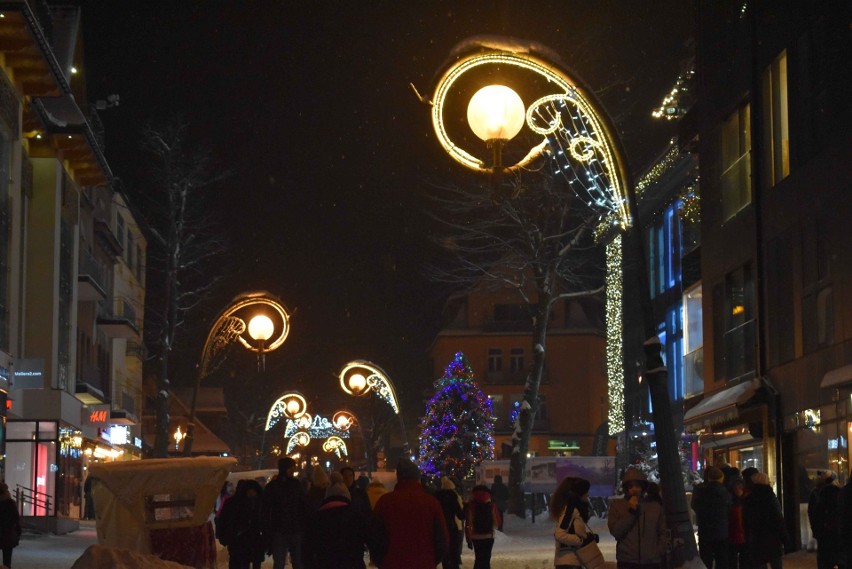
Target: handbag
{"type": "Point", "coordinates": [590, 555]}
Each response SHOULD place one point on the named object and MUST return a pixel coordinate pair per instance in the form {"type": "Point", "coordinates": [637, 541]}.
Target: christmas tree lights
{"type": "Point", "coordinates": [457, 432]}
{"type": "Point", "coordinates": [614, 337]}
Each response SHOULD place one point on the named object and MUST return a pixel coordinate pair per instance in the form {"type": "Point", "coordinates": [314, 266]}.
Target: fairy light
{"type": "Point", "coordinates": [614, 335]}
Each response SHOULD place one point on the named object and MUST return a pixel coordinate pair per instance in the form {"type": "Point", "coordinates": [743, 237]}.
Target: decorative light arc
{"type": "Point", "coordinates": [376, 380]}
{"type": "Point", "coordinates": [565, 87]}
{"type": "Point", "coordinates": [289, 406]}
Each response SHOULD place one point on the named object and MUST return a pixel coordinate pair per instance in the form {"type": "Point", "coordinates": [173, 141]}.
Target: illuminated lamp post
{"type": "Point", "coordinates": [579, 138]}
{"type": "Point", "coordinates": [289, 406]}
{"type": "Point", "coordinates": [360, 377]}
{"type": "Point", "coordinates": [344, 420]}
{"type": "Point", "coordinates": [264, 335]}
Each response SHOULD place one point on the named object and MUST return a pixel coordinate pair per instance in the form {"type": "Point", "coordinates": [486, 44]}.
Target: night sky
{"type": "Point", "coordinates": [307, 106]}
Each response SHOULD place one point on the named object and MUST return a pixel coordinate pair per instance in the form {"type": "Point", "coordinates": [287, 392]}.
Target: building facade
{"type": "Point", "coordinates": [772, 123]}
{"type": "Point", "coordinates": [493, 329]}
{"type": "Point", "coordinates": [71, 274]}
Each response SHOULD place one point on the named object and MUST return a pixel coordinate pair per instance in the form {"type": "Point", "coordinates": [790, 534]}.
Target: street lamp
{"type": "Point", "coordinates": [291, 406]}
{"type": "Point", "coordinates": [264, 335]}
{"type": "Point", "coordinates": [178, 436]}
{"type": "Point", "coordinates": [344, 420]}
{"type": "Point", "coordinates": [360, 377]}
{"type": "Point", "coordinates": [580, 140]}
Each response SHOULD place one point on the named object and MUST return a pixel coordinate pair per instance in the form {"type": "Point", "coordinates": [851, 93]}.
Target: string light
{"type": "Point", "coordinates": [614, 335]}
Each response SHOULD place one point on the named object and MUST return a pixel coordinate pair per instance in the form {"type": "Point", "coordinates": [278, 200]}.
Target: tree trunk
{"type": "Point", "coordinates": [161, 440]}
{"type": "Point", "coordinates": [529, 408]}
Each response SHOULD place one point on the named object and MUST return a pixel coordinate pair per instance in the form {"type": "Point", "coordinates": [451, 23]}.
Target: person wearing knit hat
{"type": "Point", "coordinates": [569, 507]}
{"type": "Point", "coordinates": [338, 532]}
{"type": "Point", "coordinates": [638, 525]}
{"type": "Point", "coordinates": [285, 515]}
{"type": "Point", "coordinates": [414, 523]}
{"type": "Point", "coordinates": [711, 502]}
{"type": "Point", "coordinates": [451, 504]}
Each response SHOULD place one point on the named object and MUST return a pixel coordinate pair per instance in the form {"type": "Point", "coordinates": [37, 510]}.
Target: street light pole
{"type": "Point", "coordinates": [229, 329]}
{"type": "Point", "coordinates": [594, 149]}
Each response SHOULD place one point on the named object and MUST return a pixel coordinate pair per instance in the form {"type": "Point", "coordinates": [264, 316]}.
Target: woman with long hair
{"type": "Point", "coordinates": [570, 508]}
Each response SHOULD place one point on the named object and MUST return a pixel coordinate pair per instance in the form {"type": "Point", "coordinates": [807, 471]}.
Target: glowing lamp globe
{"type": "Point", "coordinates": [293, 407]}
{"type": "Point", "coordinates": [260, 328]}
{"type": "Point", "coordinates": [357, 382]}
{"type": "Point", "coordinates": [496, 112]}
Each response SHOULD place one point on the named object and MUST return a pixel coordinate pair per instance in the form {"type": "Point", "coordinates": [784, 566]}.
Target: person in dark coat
{"type": "Point", "coordinates": [823, 478]}
{"type": "Point", "coordinates": [711, 502]}
{"type": "Point", "coordinates": [338, 533]}
{"type": "Point", "coordinates": [764, 524]}
{"type": "Point", "coordinates": [416, 533]}
{"type": "Point", "coordinates": [451, 504]}
{"type": "Point", "coordinates": [239, 527]}
{"type": "Point", "coordinates": [846, 521]}
{"type": "Point", "coordinates": [825, 524]}
{"type": "Point", "coordinates": [10, 524]}
{"type": "Point", "coordinates": [358, 495]}
{"type": "Point", "coordinates": [285, 515]}
{"type": "Point", "coordinates": [737, 551]}
{"type": "Point", "coordinates": [500, 495]}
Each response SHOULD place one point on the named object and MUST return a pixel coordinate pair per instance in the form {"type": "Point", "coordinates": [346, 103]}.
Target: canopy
{"type": "Point", "coordinates": [721, 406]}
{"type": "Point", "coordinates": [134, 497]}
{"type": "Point", "coordinates": [837, 376]}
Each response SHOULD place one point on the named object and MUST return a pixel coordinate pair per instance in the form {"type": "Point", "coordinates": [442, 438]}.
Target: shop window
{"type": "Point", "coordinates": [735, 182]}
{"type": "Point", "coordinates": [693, 342]}
{"type": "Point", "coordinates": [733, 325]}
{"type": "Point", "coordinates": [776, 133]}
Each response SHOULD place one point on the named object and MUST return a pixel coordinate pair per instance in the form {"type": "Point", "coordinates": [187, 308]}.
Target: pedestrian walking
{"type": "Point", "coordinates": [638, 525]}
{"type": "Point", "coordinates": [826, 526]}
{"type": "Point", "coordinates": [711, 502]}
{"type": "Point", "coordinates": [571, 510]}
{"type": "Point", "coordinates": [452, 505]}
{"type": "Point", "coordinates": [10, 524]}
{"type": "Point", "coordinates": [240, 526]}
{"type": "Point", "coordinates": [482, 520]}
{"type": "Point", "coordinates": [285, 515]}
{"type": "Point", "coordinates": [357, 495]}
{"type": "Point", "coordinates": [413, 523]}
{"type": "Point", "coordinates": [824, 477]}
{"type": "Point", "coordinates": [737, 551]}
{"type": "Point", "coordinates": [338, 534]}
{"type": "Point", "coordinates": [500, 495]}
{"type": "Point", "coordinates": [319, 484]}
{"type": "Point", "coordinates": [764, 524]}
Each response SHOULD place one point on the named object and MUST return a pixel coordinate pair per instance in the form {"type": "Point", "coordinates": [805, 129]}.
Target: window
{"type": "Point", "coordinates": [516, 359]}
{"type": "Point", "coordinates": [495, 359]}
{"type": "Point", "coordinates": [776, 134]}
{"type": "Point", "coordinates": [671, 336]}
{"type": "Point", "coordinates": [817, 299]}
{"type": "Point", "coordinates": [693, 342]}
{"type": "Point", "coordinates": [664, 252]}
{"type": "Point", "coordinates": [735, 183]}
{"type": "Point", "coordinates": [738, 318]}
{"type": "Point", "coordinates": [129, 249]}
{"type": "Point", "coordinates": [139, 263]}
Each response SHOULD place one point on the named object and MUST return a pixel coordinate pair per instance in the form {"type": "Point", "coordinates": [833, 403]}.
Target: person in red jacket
{"type": "Point", "coordinates": [413, 522]}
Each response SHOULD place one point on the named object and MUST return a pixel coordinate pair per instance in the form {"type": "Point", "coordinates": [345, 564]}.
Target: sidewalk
{"type": "Point", "coordinates": [53, 551]}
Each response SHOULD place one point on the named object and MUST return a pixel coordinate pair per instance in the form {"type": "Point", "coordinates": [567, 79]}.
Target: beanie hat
{"type": "Point", "coordinates": [580, 486]}
{"type": "Point", "coordinates": [285, 464]}
{"type": "Point", "coordinates": [407, 470]}
{"type": "Point", "coordinates": [447, 484]}
{"type": "Point", "coordinates": [338, 489]}
{"type": "Point", "coordinates": [713, 474]}
{"type": "Point", "coordinates": [634, 475]}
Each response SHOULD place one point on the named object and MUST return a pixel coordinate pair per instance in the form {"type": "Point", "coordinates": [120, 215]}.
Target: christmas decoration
{"type": "Point", "coordinates": [457, 432]}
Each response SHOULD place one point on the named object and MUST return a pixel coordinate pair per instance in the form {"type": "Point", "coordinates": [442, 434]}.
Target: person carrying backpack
{"type": "Point", "coordinates": [482, 518]}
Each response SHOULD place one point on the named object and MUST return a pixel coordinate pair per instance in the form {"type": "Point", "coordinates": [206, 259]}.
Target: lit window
{"type": "Point", "coordinates": [776, 133]}
{"type": "Point", "coordinates": [736, 162]}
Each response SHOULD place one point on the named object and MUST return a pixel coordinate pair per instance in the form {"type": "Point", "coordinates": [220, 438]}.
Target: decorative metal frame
{"type": "Point", "coordinates": [377, 381]}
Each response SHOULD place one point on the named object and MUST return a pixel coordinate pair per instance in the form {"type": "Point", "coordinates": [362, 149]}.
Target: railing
{"type": "Point", "coordinates": [117, 309]}
{"type": "Point", "coordinates": [37, 500]}
{"type": "Point", "coordinates": [136, 350]}
{"type": "Point", "coordinates": [93, 268]}
{"type": "Point", "coordinates": [736, 186]}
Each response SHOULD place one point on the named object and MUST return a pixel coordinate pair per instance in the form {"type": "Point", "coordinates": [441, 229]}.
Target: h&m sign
{"type": "Point", "coordinates": [96, 415]}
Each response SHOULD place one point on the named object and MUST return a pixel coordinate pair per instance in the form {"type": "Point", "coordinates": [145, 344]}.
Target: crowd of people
{"type": "Point", "coordinates": [337, 521]}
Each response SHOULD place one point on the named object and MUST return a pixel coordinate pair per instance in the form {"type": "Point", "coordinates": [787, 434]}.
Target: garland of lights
{"type": "Point", "coordinates": [614, 337]}
{"type": "Point", "coordinates": [457, 431]}
{"type": "Point", "coordinates": [671, 109]}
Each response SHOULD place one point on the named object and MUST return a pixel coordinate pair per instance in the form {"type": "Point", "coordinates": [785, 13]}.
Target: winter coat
{"type": "Point", "coordinates": [500, 495]}
{"type": "Point", "coordinates": [736, 530]}
{"type": "Point", "coordinates": [337, 536]}
{"type": "Point", "coordinates": [285, 508]}
{"type": "Point", "coordinates": [10, 522]}
{"type": "Point", "coordinates": [764, 524]}
{"type": "Point", "coordinates": [414, 523]}
{"type": "Point", "coordinates": [846, 518]}
{"type": "Point", "coordinates": [640, 534]}
{"type": "Point", "coordinates": [480, 499]}
{"type": "Point", "coordinates": [570, 534]}
{"type": "Point", "coordinates": [451, 504]}
{"type": "Point", "coordinates": [240, 525]}
{"type": "Point", "coordinates": [711, 502]}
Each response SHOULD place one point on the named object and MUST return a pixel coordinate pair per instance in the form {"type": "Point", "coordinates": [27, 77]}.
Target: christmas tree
{"type": "Point", "coordinates": [457, 432]}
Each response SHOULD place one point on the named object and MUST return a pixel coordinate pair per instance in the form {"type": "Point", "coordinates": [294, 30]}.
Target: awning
{"type": "Point", "coordinates": [837, 376]}
{"type": "Point", "coordinates": [720, 407]}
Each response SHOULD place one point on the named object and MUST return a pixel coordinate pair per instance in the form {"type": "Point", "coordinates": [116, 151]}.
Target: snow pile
{"type": "Point", "coordinates": [104, 557]}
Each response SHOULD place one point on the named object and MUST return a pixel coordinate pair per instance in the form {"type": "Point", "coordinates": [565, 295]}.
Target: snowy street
{"type": "Point", "coordinates": [524, 545]}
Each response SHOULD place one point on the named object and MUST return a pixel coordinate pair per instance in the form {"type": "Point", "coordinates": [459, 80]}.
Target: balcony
{"type": "Point", "coordinates": [136, 350]}
{"type": "Point", "coordinates": [91, 279]}
{"type": "Point", "coordinates": [117, 318]}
